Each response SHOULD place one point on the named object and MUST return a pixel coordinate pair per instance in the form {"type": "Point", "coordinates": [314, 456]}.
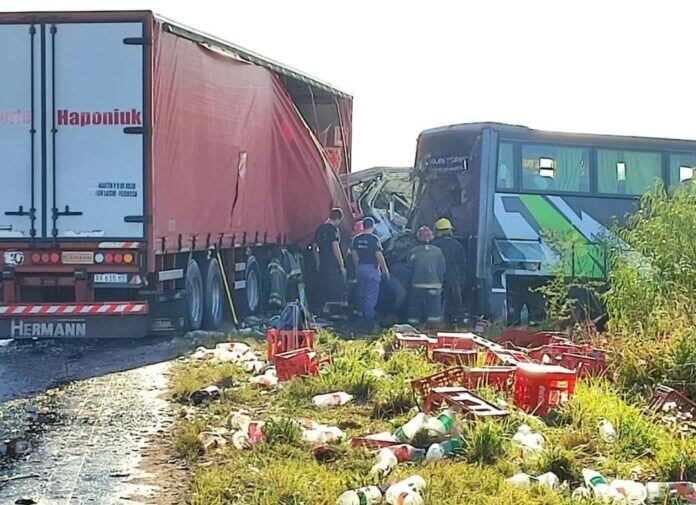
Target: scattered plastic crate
{"type": "Point", "coordinates": [423, 341]}
{"type": "Point", "coordinates": [456, 341]}
{"type": "Point", "coordinates": [298, 362]}
{"type": "Point", "coordinates": [520, 337]}
{"type": "Point", "coordinates": [665, 395]}
{"type": "Point", "coordinates": [280, 341]}
{"type": "Point", "coordinates": [584, 366]}
{"type": "Point", "coordinates": [539, 389]}
{"type": "Point", "coordinates": [451, 377]}
{"type": "Point", "coordinates": [506, 357]}
{"type": "Point", "coordinates": [496, 377]}
{"type": "Point", "coordinates": [463, 401]}
{"type": "Point", "coordinates": [454, 357]}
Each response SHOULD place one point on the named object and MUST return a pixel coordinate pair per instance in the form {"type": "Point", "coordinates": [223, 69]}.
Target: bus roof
{"type": "Point", "coordinates": [519, 132]}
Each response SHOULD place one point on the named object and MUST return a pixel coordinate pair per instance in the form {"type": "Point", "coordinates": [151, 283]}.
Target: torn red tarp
{"type": "Point", "coordinates": [258, 169]}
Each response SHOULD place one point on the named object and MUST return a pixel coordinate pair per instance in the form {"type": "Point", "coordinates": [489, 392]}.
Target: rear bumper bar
{"type": "Point", "coordinates": [71, 320]}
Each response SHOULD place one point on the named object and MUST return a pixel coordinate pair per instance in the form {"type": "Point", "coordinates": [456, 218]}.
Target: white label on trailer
{"type": "Point", "coordinates": [110, 278]}
{"type": "Point", "coordinates": [98, 166]}
{"type": "Point", "coordinates": [16, 119]}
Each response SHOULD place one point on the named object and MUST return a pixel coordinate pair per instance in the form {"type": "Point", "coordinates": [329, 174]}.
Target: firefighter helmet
{"type": "Point", "coordinates": [443, 224]}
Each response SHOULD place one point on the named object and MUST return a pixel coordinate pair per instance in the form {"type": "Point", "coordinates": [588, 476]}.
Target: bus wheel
{"type": "Point", "coordinates": [194, 296]}
{"type": "Point", "coordinates": [214, 310]}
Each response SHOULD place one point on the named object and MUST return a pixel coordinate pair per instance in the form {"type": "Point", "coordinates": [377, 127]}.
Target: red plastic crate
{"type": "Point", "coordinates": [414, 341]}
{"type": "Point", "coordinates": [450, 377]}
{"type": "Point", "coordinates": [297, 362]}
{"type": "Point", "coordinates": [280, 341]}
{"type": "Point", "coordinates": [455, 341]}
{"type": "Point", "coordinates": [524, 338]}
{"type": "Point", "coordinates": [584, 365]}
{"type": "Point", "coordinates": [453, 357]}
{"type": "Point", "coordinates": [539, 389]}
{"type": "Point", "coordinates": [465, 402]}
{"type": "Point", "coordinates": [497, 377]}
{"type": "Point", "coordinates": [505, 357]}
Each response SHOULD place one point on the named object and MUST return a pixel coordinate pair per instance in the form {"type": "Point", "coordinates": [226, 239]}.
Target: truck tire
{"type": "Point", "coordinates": [214, 310]}
{"type": "Point", "coordinates": [194, 296]}
{"type": "Point", "coordinates": [253, 290]}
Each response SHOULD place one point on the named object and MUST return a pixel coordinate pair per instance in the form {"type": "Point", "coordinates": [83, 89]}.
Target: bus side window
{"type": "Point", "coordinates": [505, 178]}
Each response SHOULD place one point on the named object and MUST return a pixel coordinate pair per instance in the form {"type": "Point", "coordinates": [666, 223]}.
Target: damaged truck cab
{"type": "Point", "coordinates": [511, 192]}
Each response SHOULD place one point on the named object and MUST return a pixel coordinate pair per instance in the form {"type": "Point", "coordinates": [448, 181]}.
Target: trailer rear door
{"type": "Point", "coordinates": [95, 138]}
{"type": "Point", "coordinates": [20, 116]}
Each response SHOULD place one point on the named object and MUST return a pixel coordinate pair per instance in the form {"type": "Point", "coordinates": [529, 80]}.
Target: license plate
{"type": "Point", "coordinates": [111, 278]}
{"type": "Point", "coordinates": [77, 258]}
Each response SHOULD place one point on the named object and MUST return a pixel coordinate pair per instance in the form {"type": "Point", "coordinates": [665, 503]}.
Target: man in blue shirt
{"type": "Point", "coordinates": [370, 265]}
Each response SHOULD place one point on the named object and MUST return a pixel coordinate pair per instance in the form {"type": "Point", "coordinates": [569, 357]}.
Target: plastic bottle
{"type": "Point", "coordinates": [406, 432]}
{"type": "Point", "coordinates": [529, 441]}
{"type": "Point", "coordinates": [442, 424]}
{"type": "Point", "coordinates": [634, 492]}
{"type": "Point", "coordinates": [581, 493]}
{"type": "Point", "coordinates": [369, 495]}
{"type": "Point", "coordinates": [600, 487]}
{"type": "Point", "coordinates": [657, 492]}
{"type": "Point", "coordinates": [322, 434]}
{"type": "Point", "coordinates": [388, 457]}
{"type": "Point", "coordinates": [254, 366]}
{"type": "Point", "coordinates": [386, 460]}
{"type": "Point", "coordinates": [607, 431]}
{"type": "Point", "coordinates": [446, 449]}
{"type": "Point", "coordinates": [332, 399]}
{"type": "Point", "coordinates": [524, 315]}
{"type": "Point", "coordinates": [406, 492]}
{"type": "Point", "coordinates": [238, 420]}
{"type": "Point", "coordinates": [547, 480]}
{"type": "Point", "coordinates": [268, 379]}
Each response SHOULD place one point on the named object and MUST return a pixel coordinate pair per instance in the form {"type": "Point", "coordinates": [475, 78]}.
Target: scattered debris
{"type": "Point", "coordinates": [547, 480]}
{"type": "Point", "coordinates": [369, 495]}
{"type": "Point", "coordinates": [529, 442]}
{"type": "Point", "coordinates": [607, 431]}
{"type": "Point", "coordinates": [332, 399]}
{"type": "Point", "coordinates": [205, 395]}
{"type": "Point", "coordinates": [406, 492]}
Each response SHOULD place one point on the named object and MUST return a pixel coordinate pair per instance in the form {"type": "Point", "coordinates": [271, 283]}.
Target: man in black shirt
{"type": "Point", "coordinates": [369, 265]}
{"type": "Point", "coordinates": [329, 259]}
{"type": "Point", "coordinates": [455, 259]}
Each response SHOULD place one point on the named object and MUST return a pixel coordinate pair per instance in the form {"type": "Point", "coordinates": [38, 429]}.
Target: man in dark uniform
{"type": "Point", "coordinates": [370, 266]}
{"type": "Point", "coordinates": [329, 259]}
{"type": "Point", "coordinates": [428, 266]}
{"type": "Point", "coordinates": [455, 258]}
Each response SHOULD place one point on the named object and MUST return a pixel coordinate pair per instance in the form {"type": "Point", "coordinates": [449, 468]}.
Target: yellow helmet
{"type": "Point", "coordinates": [443, 224]}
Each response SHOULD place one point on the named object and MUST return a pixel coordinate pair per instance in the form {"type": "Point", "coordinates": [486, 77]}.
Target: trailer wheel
{"type": "Point", "coordinates": [214, 311]}
{"type": "Point", "coordinates": [253, 288]}
{"type": "Point", "coordinates": [194, 296]}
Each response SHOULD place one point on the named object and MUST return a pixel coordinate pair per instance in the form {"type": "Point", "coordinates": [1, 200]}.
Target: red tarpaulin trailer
{"type": "Point", "coordinates": [136, 151]}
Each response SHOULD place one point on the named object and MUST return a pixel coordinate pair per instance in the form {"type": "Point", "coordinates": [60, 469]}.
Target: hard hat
{"type": "Point", "coordinates": [443, 224]}
{"type": "Point", "coordinates": [425, 234]}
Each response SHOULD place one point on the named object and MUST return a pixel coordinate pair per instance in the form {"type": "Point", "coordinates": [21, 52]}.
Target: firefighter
{"type": "Point", "coordinates": [455, 259]}
{"type": "Point", "coordinates": [329, 260]}
{"type": "Point", "coordinates": [428, 271]}
{"type": "Point", "coordinates": [370, 266]}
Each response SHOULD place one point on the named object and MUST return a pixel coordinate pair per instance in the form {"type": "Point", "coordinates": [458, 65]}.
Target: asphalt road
{"type": "Point", "coordinates": [99, 405]}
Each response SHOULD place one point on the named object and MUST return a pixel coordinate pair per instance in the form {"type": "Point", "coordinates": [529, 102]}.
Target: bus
{"type": "Point", "coordinates": [510, 191]}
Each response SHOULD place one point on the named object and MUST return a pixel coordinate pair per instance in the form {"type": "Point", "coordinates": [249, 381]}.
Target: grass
{"type": "Point", "coordinates": [284, 469]}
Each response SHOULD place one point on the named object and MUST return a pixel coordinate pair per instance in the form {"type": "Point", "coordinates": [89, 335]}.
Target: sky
{"type": "Point", "coordinates": [586, 66]}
